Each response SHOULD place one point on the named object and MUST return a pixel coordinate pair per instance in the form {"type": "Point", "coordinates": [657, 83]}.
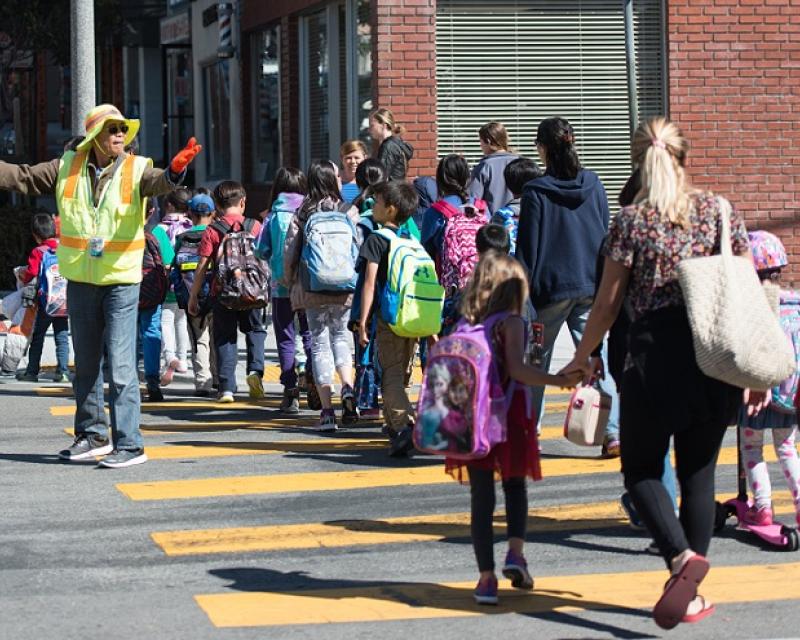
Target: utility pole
{"type": "Point", "coordinates": [82, 62]}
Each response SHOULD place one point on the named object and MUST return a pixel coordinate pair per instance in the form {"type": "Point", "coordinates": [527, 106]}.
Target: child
{"type": "Point", "coordinates": [43, 229]}
{"type": "Point", "coordinates": [289, 188]}
{"type": "Point", "coordinates": [327, 313]}
{"type": "Point", "coordinates": [488, 179]}
{"type": "Point", "coordinates": [769, 256]}
{"type": "Point", "coordinates": [492, 237]}
{"type": "Point", "coordinates": [517, 174]}
{"type": "Point", "coordinates": [230, 199]}
{"type": "Point", "coordinates": [394, 203]}
{"type": "Point", "coordinates": [498, 285]}
{"type": "Point", "coordinates": [187, 246]}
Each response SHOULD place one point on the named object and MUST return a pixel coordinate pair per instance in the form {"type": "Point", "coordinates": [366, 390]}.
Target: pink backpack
{"type": "Point", "coordinates": [459, 253]}
{"type": "Point", "coordinates": [463, 406]}
{"type": "Point", "coordinates": [175, 224]}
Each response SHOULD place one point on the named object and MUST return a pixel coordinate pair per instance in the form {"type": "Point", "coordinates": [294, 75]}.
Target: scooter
{"type": "Point", "coordinates": [775, 534]}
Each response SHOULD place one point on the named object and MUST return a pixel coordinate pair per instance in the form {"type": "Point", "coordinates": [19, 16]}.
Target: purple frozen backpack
{"type": "Point", "coordinates": [463, 405]}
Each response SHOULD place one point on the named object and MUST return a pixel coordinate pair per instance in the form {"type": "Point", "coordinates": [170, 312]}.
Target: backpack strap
{"type": "Point", "coordinates": [222, 227]}
{"type": "Point", "coordinates": [248, 225]}
{"type": "Point", "coordinates": [386, 233]}
{"type": "Point", "coordinates": [445, 208]}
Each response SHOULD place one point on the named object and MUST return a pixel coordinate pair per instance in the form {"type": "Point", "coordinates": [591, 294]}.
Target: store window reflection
{"type": "Point", "coordinates": [266, 104]}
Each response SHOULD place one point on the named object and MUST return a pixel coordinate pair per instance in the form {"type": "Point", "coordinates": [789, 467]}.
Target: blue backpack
{"type": "Point", "coordinates": [330, 252]}
{"type": "Point", "coordinates": [269, 245]}
{"type": "Point", "coordinates": [52, 286]}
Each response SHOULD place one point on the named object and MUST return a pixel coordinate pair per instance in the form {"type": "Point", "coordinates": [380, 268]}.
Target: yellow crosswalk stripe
{"type": "Point", "coordinates": [345, 480]}
{"type": "Point", "coordinates": [419, 528]}
{"type": "Point", "coordinates": [397, 601]}
{"type": "Point", "coordinates": [222, 449]}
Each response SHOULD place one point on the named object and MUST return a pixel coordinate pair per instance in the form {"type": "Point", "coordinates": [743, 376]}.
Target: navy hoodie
{"type": "Point", "coordinates": [561, 226]}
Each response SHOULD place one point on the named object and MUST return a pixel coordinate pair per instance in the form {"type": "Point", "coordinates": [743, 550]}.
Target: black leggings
{"type": "Point", "coordinates": [481, 482]}
{"type": "Point", "coordinates": [644, 445]}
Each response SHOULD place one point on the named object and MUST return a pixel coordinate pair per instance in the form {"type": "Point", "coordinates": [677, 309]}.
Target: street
{"type": "Point", "coordinates": [245, 524]}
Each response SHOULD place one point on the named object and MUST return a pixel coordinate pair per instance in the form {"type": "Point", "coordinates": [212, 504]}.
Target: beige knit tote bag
{"type": "Point", "coordinates": [737, 337]}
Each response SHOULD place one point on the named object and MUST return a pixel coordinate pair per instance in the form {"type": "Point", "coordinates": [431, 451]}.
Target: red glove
{"type": "Point", "coordinates": [185, 156]}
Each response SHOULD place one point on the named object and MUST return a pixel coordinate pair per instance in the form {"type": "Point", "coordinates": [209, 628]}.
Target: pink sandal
{"type": "Point", "coordinates": [679, 591]}
{"type": "Point", "coordinates": [700, 615]}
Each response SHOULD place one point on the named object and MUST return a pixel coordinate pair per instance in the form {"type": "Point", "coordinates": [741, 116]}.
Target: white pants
{"type": "Point", "coordinates": [174, 333]}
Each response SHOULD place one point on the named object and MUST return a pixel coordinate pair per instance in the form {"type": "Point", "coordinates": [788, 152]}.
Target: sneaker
{"type": "Point", "coordinates": [256, 385]}
{"type": "Point", "coordinates": [516, 570]}
{"type": "Point", "coordinates": [610, 448]}
{"type": "Point", "coordinates": [758, 517]}
{"type": "Point", "coordinates": [291, 401]}
{"type": "Point", "coordinates": [27, 377]}
{"type": "Point", "coordinates": [634, 521]}
{"type": "Point", "coordinates": [226, 397]}
{"type": "Point", "coordinates": [486, 591]}
{"type": "Point", "coordinates": [86, 447]}
{"type": "Point", "coordinates": [402, 443]}
{"type": "Point", "coordinates": [349, 409]}
{"type": "Point", "coordinates": [371, 413]}
{"type": "Point", "coordinates": [154, 392]}
{"type": "Point", "coordinates": [120, 458]}
{"type": "Point", "coordinates": [182, 367]}
{"type": "Point", "coordinates": [61, 377]}
{"type": "Point", "coordinates": [169, 372]}
{"type": "Point", "coordinates": [312, 396]}
{"type": "Point", "coordinates": [652, 549]}
{"type": "Point", "coordinates": [327, 421]}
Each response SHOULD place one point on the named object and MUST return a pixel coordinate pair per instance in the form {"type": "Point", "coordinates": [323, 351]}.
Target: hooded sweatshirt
{"type": "Point", "coordinates": [269, 245]}
{"type": "Point", "coordinates": [395, 154]}
{"type": "Point", "coordinates": [488, 182]}
{"type": "Point", "coordinates": [562, 224]}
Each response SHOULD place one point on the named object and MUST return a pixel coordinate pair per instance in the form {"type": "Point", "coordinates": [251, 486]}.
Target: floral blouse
{"type": "Point", "coordinates": [652, 247]}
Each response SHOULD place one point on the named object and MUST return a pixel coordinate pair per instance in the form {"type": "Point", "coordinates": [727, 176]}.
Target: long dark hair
{"type": "Point", "coordinates": [369, 173]}
{"type": "Point", "coordinates": [287, 180]}
{"type": "Point", "coordinates": [558, 138]}
{"type": "Point", "coordinates": [322, 184]}
{"type": "Point", "coordinates": [452, 177]}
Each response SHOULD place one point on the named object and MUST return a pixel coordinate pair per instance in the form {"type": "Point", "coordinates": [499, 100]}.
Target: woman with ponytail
{"type": "Point", "coordinates": [393, 152]}
{"type": "Point", "coordinates": [665, 395]}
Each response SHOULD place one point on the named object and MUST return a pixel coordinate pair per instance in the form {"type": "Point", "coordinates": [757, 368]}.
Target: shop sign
{"type": "Point", "coordinates": [176, 29]}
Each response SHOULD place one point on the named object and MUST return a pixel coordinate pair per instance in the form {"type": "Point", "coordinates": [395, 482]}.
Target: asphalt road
{"type": "Point", "coordinates": [245, 525]}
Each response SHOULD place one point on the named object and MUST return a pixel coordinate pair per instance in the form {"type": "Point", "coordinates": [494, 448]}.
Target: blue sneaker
{"type": "Point", "coordinates": [634, 520]}
{"type": "Point", "coordinates": [486, 591]}
{"type": "Point", "coordinates": [516, 570]}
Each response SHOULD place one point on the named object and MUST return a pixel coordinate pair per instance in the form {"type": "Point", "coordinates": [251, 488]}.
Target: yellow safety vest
{"type": "Point", "coordinates": [118, 219]}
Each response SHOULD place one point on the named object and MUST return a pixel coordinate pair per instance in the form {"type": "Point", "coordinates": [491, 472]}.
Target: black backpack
{"type": "Point", "coordinates": [155, 284]}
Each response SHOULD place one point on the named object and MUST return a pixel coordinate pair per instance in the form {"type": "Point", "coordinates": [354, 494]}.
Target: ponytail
{"type": "Point", "coordinates": [452, 177]}
{"type": "Point", "coordinates": [558, 138]}
{"type": "Point", "coordinates": [386, 118]}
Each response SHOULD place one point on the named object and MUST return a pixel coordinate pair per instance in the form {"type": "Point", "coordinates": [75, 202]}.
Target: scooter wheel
{"type": "Point", "coordinates": [792, 538]}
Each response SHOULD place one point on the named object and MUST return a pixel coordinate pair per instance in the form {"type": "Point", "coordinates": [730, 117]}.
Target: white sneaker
{"type": "Point", "coordinates": [226, 397]}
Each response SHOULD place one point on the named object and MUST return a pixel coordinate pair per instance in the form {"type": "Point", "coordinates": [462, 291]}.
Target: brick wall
{"type": "Point", "coordinates": [404, 73]}
{"type": "Point", "coordinates": [734, 88]}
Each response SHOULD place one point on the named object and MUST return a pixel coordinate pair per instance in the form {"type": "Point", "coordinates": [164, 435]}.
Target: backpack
{"type": "Point", "coordinates": [412, 300]}
{"type": "Point", "coordinates": [52, 292]}
{"type": "Point", "coordinates": [783, 395]}
{"type": "Point", "coordinates": [183, 268]}
{"type": "Point", "coordinates": [175, 225]}
{"type": "Point", "coordinates": [459, 253]}
{"type": "Point", "coordinates": [463, 406]}
{"type": "Point", "coordinates": [154, 285]}
{"type": "Point", "coordinates": [243, 278]}
{"type": "Point", "coordinates": [508, 218]}
{"type": "Point", "coordinates": [330, 252]}
{"type": "Point", "coordinates": [276, 229]}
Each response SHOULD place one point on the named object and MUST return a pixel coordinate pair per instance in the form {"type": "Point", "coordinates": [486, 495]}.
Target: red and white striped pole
{"type": "Point", "coordinates": [225, 20]}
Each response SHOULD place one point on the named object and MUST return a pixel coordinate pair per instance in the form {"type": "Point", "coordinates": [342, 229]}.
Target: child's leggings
{"type": "Point", "coordinates": [757, 474]}
{"type": "Point", "coordinates": [331, 342]}
{"type": "Point", "coordinates": [481, 482]}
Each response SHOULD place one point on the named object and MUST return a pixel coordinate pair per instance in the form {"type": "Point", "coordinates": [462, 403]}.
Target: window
{"type": "Point", "coordinates": [216, 87]}
{"type": "Point", "coordinates": [335, 77]}
{"type": "Point", "coordinates": [266, 105]}
{"type": "Point", "coordinates": [547, 58]}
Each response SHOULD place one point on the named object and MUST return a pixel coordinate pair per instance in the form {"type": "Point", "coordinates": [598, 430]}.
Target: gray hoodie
{"type": "Point", "coordinates": [488, 182]}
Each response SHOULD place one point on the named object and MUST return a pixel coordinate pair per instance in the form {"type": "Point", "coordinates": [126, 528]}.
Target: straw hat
{"type": "Point", "coordinates": [97, 118]}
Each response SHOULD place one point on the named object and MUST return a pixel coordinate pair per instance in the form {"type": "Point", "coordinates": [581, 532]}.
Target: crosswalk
{"type": "Point", "coordinates": [289, 464]}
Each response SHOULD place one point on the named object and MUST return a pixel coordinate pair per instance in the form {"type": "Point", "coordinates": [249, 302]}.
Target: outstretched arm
{"type": "Point", "coordinates": [29, 179]}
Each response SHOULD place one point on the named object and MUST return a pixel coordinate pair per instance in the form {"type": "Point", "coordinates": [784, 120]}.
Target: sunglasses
{"type": "Point", "coordinates": [114, 129]}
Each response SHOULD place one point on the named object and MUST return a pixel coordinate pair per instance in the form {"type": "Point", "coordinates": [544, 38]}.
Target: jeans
{"type": "Point", "coordinates": [331, 342]}
{"type": "Point", "coordinates": [174, 333]}
{"type": "Point", "coordinates": [251, 324]}
{"type": "Point", "coordinates": [283, 318]}
{"type": "Point", "coordinates": [150, 337]}
{"type": "Point", "coordinates": [106, 315]}
{"type": "Point", "coordinates": [574, 312]}
{"type": "Point", "coordinates": [61, 335]}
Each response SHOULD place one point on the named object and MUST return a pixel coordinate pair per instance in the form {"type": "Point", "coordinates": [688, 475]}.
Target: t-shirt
{"type": "Point", "coordinates": [376, 250]}
{"type": "Point", "coordinates": [212, 239]}
{"type": "Point", "coordinates": [350, 191]}
{"type": "Point", "coordinates": [652, 248]}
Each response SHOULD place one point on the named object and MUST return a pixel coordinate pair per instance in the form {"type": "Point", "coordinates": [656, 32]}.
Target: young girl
{"type": "Point", "coordinates": [769, 256]}
{"type": "Point", "coordinates": [499, 285]}
{"type": "Point", "coordinates": [327, 314]}
{"type": "Point", "coordinates": [488, 181]}
{"type": "Point", "coordinates": [289, 188]}
{"type": "Point", "coordinates": [352, 154]}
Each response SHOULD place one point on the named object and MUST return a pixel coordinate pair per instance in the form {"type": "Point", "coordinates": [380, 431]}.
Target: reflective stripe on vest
{"type": "Point", "coordinates": [118, 219]}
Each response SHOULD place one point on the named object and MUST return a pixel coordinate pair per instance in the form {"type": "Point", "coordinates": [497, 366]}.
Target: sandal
{"type": "Point", "coordinates": [704, 612]}
{"type": "Point", "coordinates": [679, 591]}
